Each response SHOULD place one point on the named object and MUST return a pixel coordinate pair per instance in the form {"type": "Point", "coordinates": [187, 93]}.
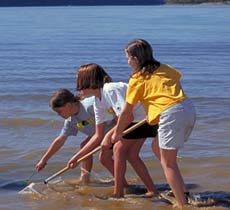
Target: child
{"type": "Point", "coordinates": [109, 100]}
{"type": "Point", "coordinates": [79, 116]}
{"type": "Point", "coordinates": [157, 86]}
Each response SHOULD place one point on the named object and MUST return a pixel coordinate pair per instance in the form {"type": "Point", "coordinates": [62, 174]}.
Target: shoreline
{"type": "Point", "coordinates": [226, 3]}
{"type": "Point", "coordinates": [203, 3]}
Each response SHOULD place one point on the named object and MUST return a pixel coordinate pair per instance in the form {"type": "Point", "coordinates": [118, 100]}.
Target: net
{"type": "Point", "coordinates": [40, 188]}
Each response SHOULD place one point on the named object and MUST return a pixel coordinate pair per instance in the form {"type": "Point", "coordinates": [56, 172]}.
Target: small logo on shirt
{"type": "Point", "coordinates": [119, 108]}
{"type": "Point", "coordinates": [84, 123]}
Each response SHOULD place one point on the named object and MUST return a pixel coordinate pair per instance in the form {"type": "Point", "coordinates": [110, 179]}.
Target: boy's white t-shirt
{"type": "Point", "coordinates": [112, 102]}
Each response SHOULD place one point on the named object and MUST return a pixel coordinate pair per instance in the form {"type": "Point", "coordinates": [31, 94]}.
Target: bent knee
{"type": "Point", "coordinates": [119, 148]}
{"type": "Point", "coordinates": [104, 156]}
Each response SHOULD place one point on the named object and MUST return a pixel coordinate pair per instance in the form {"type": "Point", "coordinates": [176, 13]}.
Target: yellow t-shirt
{"type": "Point", "coordinates": [156, 92]}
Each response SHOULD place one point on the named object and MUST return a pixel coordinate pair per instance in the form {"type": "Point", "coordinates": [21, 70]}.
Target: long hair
{"type": "Point", "coordinates": [62, 97]}
{"type": "Point", "coordinates": [142, 50]}
{"type": "Point", "coordinates": [91, 76]}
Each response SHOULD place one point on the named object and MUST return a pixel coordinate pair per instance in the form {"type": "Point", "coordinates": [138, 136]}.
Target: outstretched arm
{"type": "Point", "coordinates": [53, 148]}
{"type": "Point", "coordinates": [94, 141]}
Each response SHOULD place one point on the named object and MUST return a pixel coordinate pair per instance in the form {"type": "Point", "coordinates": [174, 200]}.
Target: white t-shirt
{"type": "Point", "coordinates": [112, 102]}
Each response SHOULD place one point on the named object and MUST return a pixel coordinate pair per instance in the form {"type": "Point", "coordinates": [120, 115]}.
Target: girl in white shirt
{"type": "Point", "coordinates": [109, 101]}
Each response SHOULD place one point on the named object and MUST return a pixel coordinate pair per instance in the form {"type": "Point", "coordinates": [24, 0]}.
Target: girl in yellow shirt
{"type": "Point", "coordinates": [157, 86]}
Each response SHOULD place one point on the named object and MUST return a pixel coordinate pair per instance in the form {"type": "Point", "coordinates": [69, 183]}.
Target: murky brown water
{"type": "Point", "coordinates": [201, 175]}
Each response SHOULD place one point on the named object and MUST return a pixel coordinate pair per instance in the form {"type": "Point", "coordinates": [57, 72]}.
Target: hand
{"type": "Point", "coordinates": [40, 165]}
{"type": "Point", "coordinates": [72, 163]}
{"type": "Point", "coordinates": [116, 137]}
{"type": "Point", "coordinates": [106, 144]}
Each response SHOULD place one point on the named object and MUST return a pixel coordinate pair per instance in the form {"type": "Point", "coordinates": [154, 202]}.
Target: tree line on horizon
{"type": "Point", "coordinates": [77, 2]}
{"type": "Point", "coordinates": [102, 2]}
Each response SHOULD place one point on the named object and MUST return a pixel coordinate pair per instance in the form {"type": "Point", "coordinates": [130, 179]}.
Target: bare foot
{"type": "Point", "coordinates": [150, 194]}
{"type": "Point", "coordinates": [85, 179]}
{"type": "Point", "coordinates": [117, 196]}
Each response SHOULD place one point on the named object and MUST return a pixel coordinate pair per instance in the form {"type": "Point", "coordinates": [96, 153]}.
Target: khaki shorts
{"type": "Point", "coordinates": [176, 124]}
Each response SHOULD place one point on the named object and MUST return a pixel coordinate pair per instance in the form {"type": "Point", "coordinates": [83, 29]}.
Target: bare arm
{"type": "Point", "coordinates": [125, 118]}
{"type": "Point", "coordinates": [94, 141]}
{"type": "Point", "coordinates": [53, 148]}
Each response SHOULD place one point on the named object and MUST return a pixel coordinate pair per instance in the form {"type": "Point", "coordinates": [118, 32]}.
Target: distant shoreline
{"type": "Point", "coordinates": [202, 3]}
{"type": "Point", "coordinates": [167, 4]}
{"type": "Point", "coordinates": [44, 3]}
{"type": "Point", "coordinates": [27, 3]}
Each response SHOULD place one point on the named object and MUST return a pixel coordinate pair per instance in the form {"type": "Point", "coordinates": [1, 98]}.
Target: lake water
{"type": "Point", "coordinates": [40, 50]}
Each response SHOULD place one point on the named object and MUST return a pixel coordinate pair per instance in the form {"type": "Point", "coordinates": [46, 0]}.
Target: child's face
{"type": "Point", "coordinates": [132, 61]}
{"type": "Point", "coordinates": [64, 111]}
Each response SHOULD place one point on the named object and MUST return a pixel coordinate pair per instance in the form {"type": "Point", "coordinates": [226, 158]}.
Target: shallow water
{"type": "Point", "coordinates": [41, 47]}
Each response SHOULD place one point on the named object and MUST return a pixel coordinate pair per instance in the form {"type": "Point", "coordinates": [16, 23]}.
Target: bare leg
{"type": "Point", "coordinates": [120, 155]}
{"type": "Point", "coordinates": [155, 148]}
{"type": "Point", "coordinates": [139, 166]}
{"type": "Point", "coordinates": [173, 175]}
{"type": "Point", "coordinates": [106, 156]}
{"type": "Point", "coordinates": [86, 165]}
{"type": "Point", "coordinates": [157, 151]}
{"type": "Point", "coordinates": [106, 159]}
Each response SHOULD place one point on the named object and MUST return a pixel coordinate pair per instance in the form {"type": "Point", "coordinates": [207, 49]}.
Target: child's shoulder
{"type": "Point", "coordinates": [166, 67]}
{"type": "Point", "coordinates": [114, 86]}
{"type": "Point", "coordinates": [88, 101]}
{"type": "Point", "coordinates": [86, 106]}
{"type": "Point", "coordinates": [169, 70]}
{"type": "Point", "coordinates": [136, 80]}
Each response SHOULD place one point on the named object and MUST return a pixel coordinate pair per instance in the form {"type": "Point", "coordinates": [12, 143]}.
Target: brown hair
{"type": "Point", "coordinates": [142, 50]}
{"type": "Point", "coordinates": [62, 97]}
{"type": "Point", "coordinates": [91, 76]}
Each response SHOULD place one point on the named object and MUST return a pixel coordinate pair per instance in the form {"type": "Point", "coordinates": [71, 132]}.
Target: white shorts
{"type": "Point", "coordinates": [176, 124]}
